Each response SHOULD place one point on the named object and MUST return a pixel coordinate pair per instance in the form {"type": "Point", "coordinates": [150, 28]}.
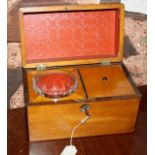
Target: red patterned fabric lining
{"type": "Point", "coordinates": [71, 35]}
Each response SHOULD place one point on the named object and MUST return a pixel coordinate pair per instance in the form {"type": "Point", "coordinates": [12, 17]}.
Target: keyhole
{"type": "Point", "coordinates": [104, 78]}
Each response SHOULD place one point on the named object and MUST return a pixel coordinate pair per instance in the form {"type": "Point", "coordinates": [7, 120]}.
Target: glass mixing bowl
{"type": "Point", "coordinates": [55, 84]}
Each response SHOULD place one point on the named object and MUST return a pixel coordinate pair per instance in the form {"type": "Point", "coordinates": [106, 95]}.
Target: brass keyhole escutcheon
{"type": "Point", "coordinates": [85, 108]}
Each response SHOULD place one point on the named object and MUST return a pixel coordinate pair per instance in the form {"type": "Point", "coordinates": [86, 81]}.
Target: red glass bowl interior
{"type": "Point", "coordinates": [55, 85]}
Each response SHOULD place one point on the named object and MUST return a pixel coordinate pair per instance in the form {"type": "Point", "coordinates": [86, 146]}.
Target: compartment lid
{"type": "Point", "coordinates": [110, 81]}
{"type": "Point", "coordinates": [71, 35]}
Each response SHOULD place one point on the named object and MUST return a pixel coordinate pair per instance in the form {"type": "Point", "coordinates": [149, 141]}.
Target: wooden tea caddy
{"type": "Point", "coordinates": [88, 39]}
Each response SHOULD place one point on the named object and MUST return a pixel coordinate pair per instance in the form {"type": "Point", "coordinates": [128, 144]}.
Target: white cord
{"type": "Point", "coordinates": [82, 122]}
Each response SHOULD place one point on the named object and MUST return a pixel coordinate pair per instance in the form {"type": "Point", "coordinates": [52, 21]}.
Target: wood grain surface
{"type": "Point", "coordinates": [106, 81]}
{"type": "Point", "coordinates": [48, 122]}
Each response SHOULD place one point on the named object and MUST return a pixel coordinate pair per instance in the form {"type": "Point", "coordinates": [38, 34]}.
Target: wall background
{"type": "Point", "coordinates": [139, 6]}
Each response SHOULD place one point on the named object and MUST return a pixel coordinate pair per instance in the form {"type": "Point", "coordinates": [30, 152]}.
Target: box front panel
{"type": "Point", "coordinates": [49, 122]}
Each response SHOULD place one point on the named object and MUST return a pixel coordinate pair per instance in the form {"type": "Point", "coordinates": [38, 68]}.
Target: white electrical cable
{"type": "Point", "coordinates": [71, 149]}
{"type": "Point", "coordinates": [82, 122]}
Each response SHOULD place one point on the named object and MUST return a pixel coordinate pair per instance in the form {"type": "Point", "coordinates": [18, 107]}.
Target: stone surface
{"type": "Point", "coordinates": [14, 55]}
{"type": "Point", "coordinates": [17, 100]}
{"type": "Point", "coordinates": [136, 59]}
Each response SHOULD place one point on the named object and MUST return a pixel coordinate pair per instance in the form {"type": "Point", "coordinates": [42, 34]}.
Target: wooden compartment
{"type": "Point", "coordinates": [33, 97]}
{"type": "Point", "coordinates": [106, 81]}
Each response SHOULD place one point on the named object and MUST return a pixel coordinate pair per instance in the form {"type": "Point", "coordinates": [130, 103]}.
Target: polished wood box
{"type": "Point", "coordinates": [88, 40]}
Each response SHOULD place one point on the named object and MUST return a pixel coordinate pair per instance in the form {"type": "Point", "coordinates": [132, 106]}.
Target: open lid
{"type": "Point", "coordinates": [71, 35]}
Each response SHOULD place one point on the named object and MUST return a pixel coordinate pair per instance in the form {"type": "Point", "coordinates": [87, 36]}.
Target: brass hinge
{"type": "Point", "coordinates": [41, 67]}
{"type": "Point", "coordinates": [105, 62]}
{"type": "Point", "coordinates": [91, 99]}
